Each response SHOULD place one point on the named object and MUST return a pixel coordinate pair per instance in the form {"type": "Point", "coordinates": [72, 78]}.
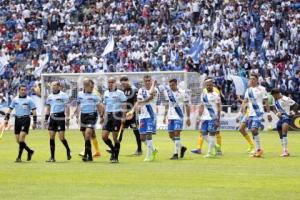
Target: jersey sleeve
{"type": "Point", "coordinates": [288, 101]}
{"type": "Point", "coordinates": [264, 93]}
{"type": "Point", "coordinates": [66, 99]}
{"type": "Point", "coordinates": [97, 99]}
{"type": "Point", "coordinates": [246, 94]}
{"type": "Point", "coordinates": [32, 104]}
{"type": "Point", "coordinates": [122, 96]}
{"type": "Point", "coordinates": [186, 97]}
{"type": "Point", "coordinates": [47, 101]}
{"type": "Point", "coordinates": [12, 104]}
{"type": "Point", "coordinates": [140, 95]}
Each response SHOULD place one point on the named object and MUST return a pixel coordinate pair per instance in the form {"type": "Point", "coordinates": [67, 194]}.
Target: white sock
{"type": "Point", "coordinates": [149, 148]}
{"type": "Point", "coordinates": [177, 145]}
{"type": "Point", "coordinates": [257, 142]}
{"type": "Point", "coordinates": [211, 143]}
{"type": "Point", "coordinates": [284, 143]}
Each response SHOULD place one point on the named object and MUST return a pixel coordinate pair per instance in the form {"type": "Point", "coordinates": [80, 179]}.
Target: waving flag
{"type": "Point", "coordinates": [3, 63]}
{"type": "Point", "coordinates": [109, 47]}
{"type": "Point", "coordinates": [240, 84]}
{"type": "Point", "coordinates": [44, 59]}
{"type": "Point", "coordinates": [196, 49]}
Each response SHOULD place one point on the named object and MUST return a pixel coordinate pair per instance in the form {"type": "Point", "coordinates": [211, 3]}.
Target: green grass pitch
{"type": "Point", "coordinates": [233, 176]}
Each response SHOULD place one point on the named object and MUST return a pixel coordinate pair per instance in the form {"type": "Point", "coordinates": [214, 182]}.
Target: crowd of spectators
{"type": "Point", "coordinates": [239, 37]}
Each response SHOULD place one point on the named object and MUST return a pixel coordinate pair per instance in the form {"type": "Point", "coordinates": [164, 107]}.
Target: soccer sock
{"type": "Point", "coordinates": [211, 143]}
{"type": "Point", "coordinates": [52, 147]}
{"type": "Point", "coordinates": [219, 139]}
{"type": "Point", "coordinates": [117, 149]}
{"type": "Point", "coordinates": [284, 142]}
{"type": "Point", "coordinates": [21, 147]}
{"type": "Point", "coordinates": [177, 142]}
{"type": "Point", "coordinates": [200, 141]}
{"type": "Point", "coordinates": [121, 135]}
{"type": "Point", "coordinates": [138, 139]}
{"type": "Point", "coordinates": [26, 147]}
{"type": "Point", "coordinates": [88, 149]}
{"type": "Point", "coordinates": [96, 145]}
{"type": "Point", "coordinates": [248, 139]}
{"type": "Point", "coordinates": [149, 147]}
{"type": "Point", "coordinates": [65, 143]}
{"type": "Point", "coordinates": [108, 142]}
{"type": "Point", "coordinates": [257, 142]}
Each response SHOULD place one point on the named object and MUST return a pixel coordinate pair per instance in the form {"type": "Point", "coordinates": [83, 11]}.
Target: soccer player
{"type": "Point", "coordinates": [282, 105]}
{"type": "Point", "coordinates": [131, 95]}
{"type": "Point", "coordinates": [209, 114]}
{"type": "Point", "coordinates": [57, 110]}
{"type": "Point", "coordinates": [255, 98]}
{"type": "Point", "coordinates": [218, 134]}
{"type": "Point", "coordinates": [88, 104]}
{"type": "Point", "coordinates": [23, 106]}
{"type": "Point", "coordinates": [115, 113]}
{"type": "Point", "coordinates": [243, 118]}
{"type": "Point", "coordinates": [146, 103]}
{"type": "Point", "coordinates": [178, 100]}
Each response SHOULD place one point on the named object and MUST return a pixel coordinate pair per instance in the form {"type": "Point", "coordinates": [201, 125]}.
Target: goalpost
{"type": "Point", "coordinates": [72, 83]}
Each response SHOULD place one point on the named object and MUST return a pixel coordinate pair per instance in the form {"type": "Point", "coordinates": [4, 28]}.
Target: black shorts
{"type": "Point", "coordinates": [112, 122]}
{"type": "Point", "coordinates": [88, 120]}
{"type": "Point", "coordinates": [22, 124]}
{"type": "Point", "coordinates": [132, 123]}
{"type": "Point", "coordinates": [57, 122]}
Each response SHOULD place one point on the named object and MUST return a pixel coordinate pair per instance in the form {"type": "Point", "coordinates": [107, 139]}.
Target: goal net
{"type": "Point", "coordinates": [72, 84]}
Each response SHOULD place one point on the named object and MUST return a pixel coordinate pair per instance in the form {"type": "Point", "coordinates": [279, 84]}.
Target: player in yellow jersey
{"type": "Point", "coordinates": [218, 134]}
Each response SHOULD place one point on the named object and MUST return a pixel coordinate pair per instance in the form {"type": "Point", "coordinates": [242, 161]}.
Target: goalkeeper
{"type": "Point", "coordinates": [131, 95]}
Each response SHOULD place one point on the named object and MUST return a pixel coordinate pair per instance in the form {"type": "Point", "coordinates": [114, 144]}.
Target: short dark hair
{"type": "Point", "coordinates": [275, 91]}
{"type": "Point", "coordinates": [173, 80]}
{"type": "Point", "coordinates": [255, 75]}
{"type": "Point", "coordinates": [22, 86]}
{"type": "Point", "coordinates": [124, 78]}
{"type": "Point", "coordinates": [147, 76]}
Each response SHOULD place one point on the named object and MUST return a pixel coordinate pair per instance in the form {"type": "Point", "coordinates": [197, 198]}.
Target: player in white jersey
{"type": "Point", "coordinates": [178, 101]}
{"type": "Point", "coordinates": [283, 106]}
{"type": "Point", "coordinates": [209, 116]}
{"type": "Point", "coordinates": [255, 98]}
{"type": "Point", "coordinates": [146, 103]}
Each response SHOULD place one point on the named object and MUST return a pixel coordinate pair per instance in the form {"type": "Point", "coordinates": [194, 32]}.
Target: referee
{"type": "Point", "coordinates": [115, 107]}
{"type": "Point", "coordinates": [88, 104]}
{"type": "Point", "coordinates": [131, 95]}
{"type": "Point", "coordinates": [57, 110]}
{"type": "Point", "coordinates": [23, 106]}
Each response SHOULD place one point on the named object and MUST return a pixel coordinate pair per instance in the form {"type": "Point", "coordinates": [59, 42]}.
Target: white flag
{"type": "Point", "coordinates": [43, 63]}
{"type": "Point", "coordinates": [240, 84]}
{"type": "Point", "coordinates": [109, 47]}
{"type": "Point", "coordinates": [3, 63]}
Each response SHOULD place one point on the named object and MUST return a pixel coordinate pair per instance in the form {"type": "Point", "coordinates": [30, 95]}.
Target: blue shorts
{"type": "Point", "coordinates": [281, 122]}
{"type": "Point", "coordinates": [255, 122]}
{"type": "Point", "coordinates": [209, 126]}
{"type": "Point", "coordinates": [147, 125]}
{"type": "Point", "coordinates": [175, 125]}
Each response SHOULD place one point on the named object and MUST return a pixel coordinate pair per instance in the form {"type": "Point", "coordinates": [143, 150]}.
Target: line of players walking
{"type": "Point", "coordinates": [119, 109]}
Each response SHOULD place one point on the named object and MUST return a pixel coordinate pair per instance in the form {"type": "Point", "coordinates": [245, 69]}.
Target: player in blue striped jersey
{"type": "Point", "coordinates": [177, 102]}
{"type": "Point", "coordinates": [282, 110]}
